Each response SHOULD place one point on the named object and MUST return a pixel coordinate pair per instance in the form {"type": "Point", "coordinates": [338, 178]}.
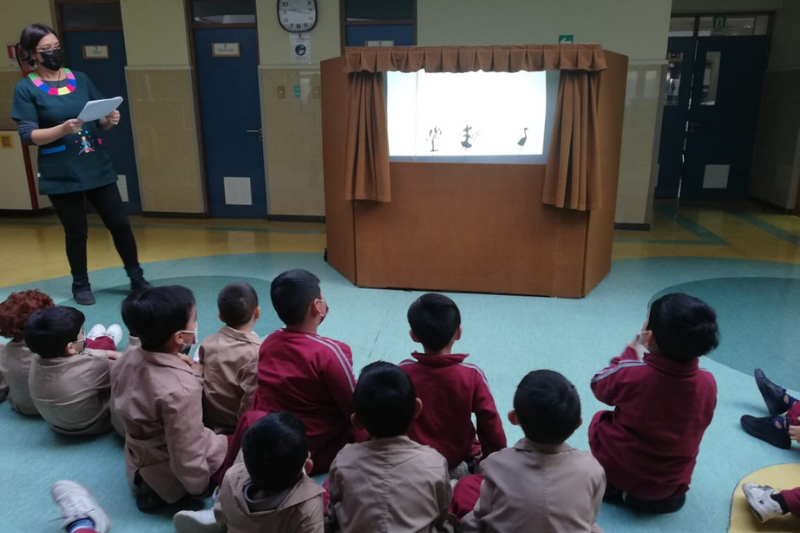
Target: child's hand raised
{"type": "Point", "coordinates": [794, 431]}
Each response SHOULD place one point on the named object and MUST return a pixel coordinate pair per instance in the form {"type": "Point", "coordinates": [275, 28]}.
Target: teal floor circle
{"type": "Point", "coordinates": [758, 322]}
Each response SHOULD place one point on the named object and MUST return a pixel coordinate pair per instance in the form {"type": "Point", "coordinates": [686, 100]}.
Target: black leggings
{"type": "Point", "coordinates": [71, 211]}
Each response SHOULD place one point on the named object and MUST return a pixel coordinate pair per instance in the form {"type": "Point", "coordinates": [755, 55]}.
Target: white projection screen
{"type": "Point", "coordinates": [470, 117]}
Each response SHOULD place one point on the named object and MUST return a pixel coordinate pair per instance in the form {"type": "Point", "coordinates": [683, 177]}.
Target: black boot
{"type": "Point", "coordinates": [82, 290]}
{"type": "Point", "coordinates": [138, 283]}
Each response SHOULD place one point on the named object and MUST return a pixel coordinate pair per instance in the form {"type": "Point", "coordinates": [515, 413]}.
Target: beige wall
{"type": "Point", "coordinates": [15, 15]}
{"type": "Point", "coordinates": [293, 126]}
{"type": "Point", "coordinates": [155, 32]}
{"type": "Point", "coordinates": [637, 29]}
{"type": "Point", "coordinates": [161, 96]}
{"type": "Point", "coordinates": [776, 163]}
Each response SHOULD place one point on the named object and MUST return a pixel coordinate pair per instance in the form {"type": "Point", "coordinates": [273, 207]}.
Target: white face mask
{"type": "Point", "coordinates": [193, 332]}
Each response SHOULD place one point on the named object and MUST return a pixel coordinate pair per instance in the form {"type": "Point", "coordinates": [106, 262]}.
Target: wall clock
{"type": "Point", "coordinates": [297, 16]}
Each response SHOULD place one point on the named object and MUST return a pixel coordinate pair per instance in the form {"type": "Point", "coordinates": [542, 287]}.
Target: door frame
{"type": "Point", "coordinates": [697, 16]}
{"type": "Point", "coordinates": [188, 9]}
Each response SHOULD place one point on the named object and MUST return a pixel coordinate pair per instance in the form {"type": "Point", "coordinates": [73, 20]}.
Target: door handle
{"type": "Point", "coordinates": [259, 131]}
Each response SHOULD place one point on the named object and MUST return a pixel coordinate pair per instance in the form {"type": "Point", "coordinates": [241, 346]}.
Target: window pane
{"type": "Point", "coordinates": [224, 11]}
{"type": "Point", "coordinates": [379, 10]}
{"type": "Point", "coordinates": [762, 25]}
{"type": "Point", "coordinates": [711, 78]}
{"type": "Point", "coordinates": [681, 27]}
{"type": "Point", "coordinates": [721, 26]}
{"type": "Point", "coordinates": [674, 72]}
{"type": "Point", "coordinates": [91, 15]}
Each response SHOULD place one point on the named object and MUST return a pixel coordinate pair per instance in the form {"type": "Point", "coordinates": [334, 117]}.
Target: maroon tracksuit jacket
{"type": "Point", "coordinates": [312, 377]}
{"type": "Point", "coordinates": [648, 445]}
{"type": "Point", "coordinates": [451, 391]}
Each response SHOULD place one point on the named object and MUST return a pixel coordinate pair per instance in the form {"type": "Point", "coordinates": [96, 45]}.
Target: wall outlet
{"type": "Point", "coordinates": [281, 92]}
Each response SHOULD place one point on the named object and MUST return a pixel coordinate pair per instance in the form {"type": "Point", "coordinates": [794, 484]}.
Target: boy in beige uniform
{"type": "Point", "coordinates": [229, 358]}
{"type": "Point", "coordinates": [169, 454]}
{"type": "Point", "coordinates": [390, 482]}
{"type": "Point", "coordinates": [16, 357]}
{"type": "Point", "coordinates": [541, 484]}
{"type": "Point", "coordinates": [70, 384]}
{"type": "Point", "coordinates": [270, 492]}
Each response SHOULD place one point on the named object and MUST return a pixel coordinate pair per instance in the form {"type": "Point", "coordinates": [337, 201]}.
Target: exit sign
{"type": "Point", "coordinates": [566, 39]}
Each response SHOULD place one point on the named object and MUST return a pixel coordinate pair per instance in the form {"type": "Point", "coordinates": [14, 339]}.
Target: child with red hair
{"type": "Point", "coordinates": [16, 357]}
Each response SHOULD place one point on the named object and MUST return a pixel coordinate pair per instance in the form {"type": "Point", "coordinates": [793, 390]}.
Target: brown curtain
{"type": "Point", "coordinates": [572, 178]}
{"type": "Point", "coordinates": [572, 175]}
{"type": "Point", "coordinates": [367, 172]}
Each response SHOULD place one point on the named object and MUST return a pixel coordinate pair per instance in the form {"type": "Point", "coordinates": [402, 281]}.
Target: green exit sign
{"type": "Point", "coordinates": [566, 39]}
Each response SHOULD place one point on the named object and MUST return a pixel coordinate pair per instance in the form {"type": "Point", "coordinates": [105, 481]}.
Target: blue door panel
{"type": "Point", "coordinates": [401, 34]}
{"type": "Point", "coordinates": [230, 104]}
{"type": "Point", "coordinates": [109, 77]}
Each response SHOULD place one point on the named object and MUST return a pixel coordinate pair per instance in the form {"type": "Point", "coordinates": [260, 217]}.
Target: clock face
{"type": "Point", "coordinates": [297, 15]}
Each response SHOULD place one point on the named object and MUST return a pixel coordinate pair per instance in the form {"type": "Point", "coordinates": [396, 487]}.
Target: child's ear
{"type": "Point", "coordinates": [417, 408]}
{"type": "Point", "coordinates": [413, 337]}
{"type": "Point", "coordinates": [512, 417]}
{"type": "Point", "coordinates": [650, 343]}
{"type": "Point", "coordinates": [219, 315]}
{"type": "Point", "coordinates": [457, 336]}
{"type": "Point", "coordinates": [356, 422]}
{"type": "Point", "coordinates": [70, 351]}
{"type": "Point", "coordinates": [309, 466]}
{"type": "Point", "coordinates": [257, 313]}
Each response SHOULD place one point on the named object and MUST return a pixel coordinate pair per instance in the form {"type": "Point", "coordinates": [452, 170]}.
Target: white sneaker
{"type": "Point", "coordinates": [195, 521]}
{"type": "Point", "coordinates": [761, 503]}
{"type": "Point", "coordinates": [98, 330]}
{"type": "Point", "coordinates": [115, 332]}
{"type": "Point", "coordinates": [76, 503]}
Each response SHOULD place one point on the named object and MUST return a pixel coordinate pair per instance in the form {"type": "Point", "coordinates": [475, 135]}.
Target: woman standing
{"type": "Point", "coordinates": [73, 164]}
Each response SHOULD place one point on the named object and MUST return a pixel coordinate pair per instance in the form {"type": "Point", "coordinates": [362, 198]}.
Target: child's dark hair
{"type": "Point", "coordinates": [158, 313]}
{"type": "Point", "coordinates": [29, 40]}
{"type": "Point", "coordinates": [50, 330]}
{"type": "Point", "coordinates": [236, 303]}
{"type": "Point", "coordinates": [684, 327]}
{"type": "Point", "coordinates": [16, 310]}
{"type": "Point", "coordinates": [384, 400]}
{"type": "Point", "coordinates": [434, 319]}
{"type": "Point", "coordinates": [292, 294]}
{"type": "Point", "coordinates": [548, 407]}
{"type": "Point", "coordinates": [275, 449]}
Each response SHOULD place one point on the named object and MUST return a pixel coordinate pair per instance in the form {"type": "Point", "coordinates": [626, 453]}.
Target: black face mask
{"type": "Point", "coordinates": [52, 59]}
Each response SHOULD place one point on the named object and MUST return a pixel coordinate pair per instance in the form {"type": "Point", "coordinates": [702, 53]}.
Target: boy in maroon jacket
{"type": "Point", "coordinates": [663, 404]}
{"type": "Point", "coordinates": [450, 389]}
{"type": "Point", "coordinates": [303, 373]}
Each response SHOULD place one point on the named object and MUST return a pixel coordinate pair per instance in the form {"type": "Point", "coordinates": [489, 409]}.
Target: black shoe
{"type": "Point", "coordinates": [773, 394]}
{"type": "Point", "coordinates": [82, 290]}
{"type": "Point", "coordinates": [140, 284]}
{"type": "Point", "coordinates": [763, 428]}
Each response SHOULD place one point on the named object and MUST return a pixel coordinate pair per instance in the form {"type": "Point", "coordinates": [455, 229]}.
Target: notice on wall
{"type": "Point", "coordinates": [300, 48]}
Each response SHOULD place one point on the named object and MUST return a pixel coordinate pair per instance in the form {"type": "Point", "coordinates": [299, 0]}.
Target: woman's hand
{"type": "Point", "coordinates": [73, 125]}
{"type": "Point", "coordinates": [110, 120]}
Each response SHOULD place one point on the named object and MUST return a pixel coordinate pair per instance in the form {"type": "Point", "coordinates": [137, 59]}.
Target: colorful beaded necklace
{"type": "Point", "coordinates": [68, 88]}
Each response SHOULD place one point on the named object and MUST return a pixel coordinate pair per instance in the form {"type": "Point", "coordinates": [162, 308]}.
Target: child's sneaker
{"type": "Point", "coordinates": [115, 332]}
{"type": "Point", "coordinates": [761, 503]}
{"type": "Point", "coordinates": [764, 428]}
{"type": "Point", "coordinates": [77, 503]}
{"type": "Point", "coordinates": [195, 522]}
{"type": "Point", "coordinates": [98, 330]}
{"type": "Point", "coordinates": [773, 394]}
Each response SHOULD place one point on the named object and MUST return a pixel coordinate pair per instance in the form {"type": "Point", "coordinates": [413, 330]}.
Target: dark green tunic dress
{"type": "Point", "coordinates": [75, 162]}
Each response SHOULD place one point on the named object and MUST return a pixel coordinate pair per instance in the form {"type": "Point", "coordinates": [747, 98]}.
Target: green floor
{"type": "Point", "coordinates": [757, 304]}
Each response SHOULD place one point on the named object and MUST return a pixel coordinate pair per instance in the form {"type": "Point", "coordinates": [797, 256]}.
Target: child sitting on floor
{"type": "Point", "coordinates": [663, 404]}
{"type": "Point", "coordinates": [303, 373]}
{"type": "Point", "coordinates": [69, 383]}
{"type": "Point", "coordinates": [228, 358]}
{"type": "Point", "coordinates": [542, 483]}
{"type": "Point", "coordinates": [16, 357]}
{"type": "Point", "coordinates": [451, 390]}
{"type": "Point", "coordinates": [169, 454]}
{"type": "Point", "coordinates": [390, 482]}
{"type": "Point", "coordinates": [270, 491]}
{"type": "Point", "coordinates": [774, 429]}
